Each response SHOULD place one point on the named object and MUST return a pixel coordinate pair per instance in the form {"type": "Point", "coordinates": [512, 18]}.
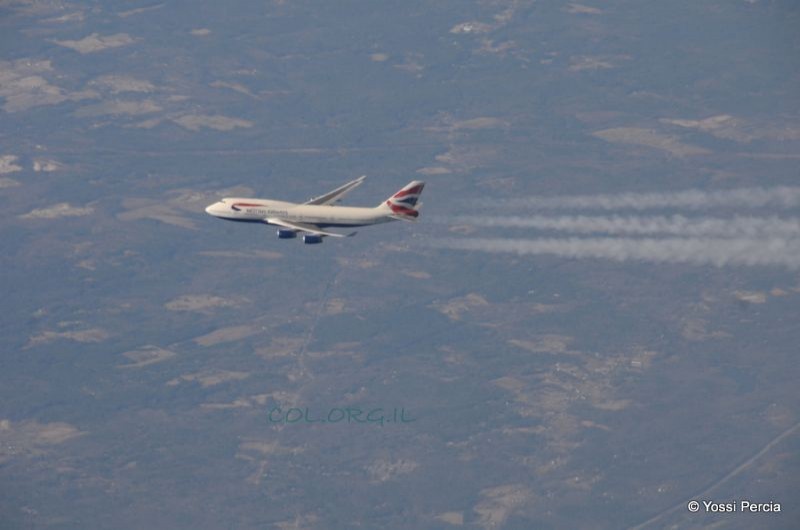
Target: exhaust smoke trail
{"type": "Point", "coordinates": [702, 240]}
{"type": "Point", "coordinates": [678, 225]}
{"type": "Point", "coordinates": [699, 251]}
{"type": "Point", "coordinates": [777, 197]}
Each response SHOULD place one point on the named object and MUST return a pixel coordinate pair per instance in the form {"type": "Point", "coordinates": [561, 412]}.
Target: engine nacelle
{"type": "Point", "coordinates": [312, 239]}
{"type": "Point", "coordinates": [286, 234]}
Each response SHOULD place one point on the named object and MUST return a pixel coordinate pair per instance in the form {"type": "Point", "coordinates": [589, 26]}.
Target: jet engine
{"type": "Point", "coordinates": [286, 234]}
{"type": "Point", "coordinates": [312, 239]}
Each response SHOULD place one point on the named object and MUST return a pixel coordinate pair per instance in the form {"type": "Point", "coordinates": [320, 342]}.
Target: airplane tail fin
{"type": "Point", "coordinates": [405, 203]}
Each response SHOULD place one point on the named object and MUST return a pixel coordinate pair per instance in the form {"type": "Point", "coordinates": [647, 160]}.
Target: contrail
{"type": "Point", "coordinates": [678, 225]}
{"type": "Point", "coordinates": [701, 250]}
{"type": "Point", "coordinates": [776, 197]}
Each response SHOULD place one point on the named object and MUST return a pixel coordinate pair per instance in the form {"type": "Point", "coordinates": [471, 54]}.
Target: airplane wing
{"type": "Point", "coordinates": [337, 194]}
{"type": "Point", "coordinates": [305, 227]}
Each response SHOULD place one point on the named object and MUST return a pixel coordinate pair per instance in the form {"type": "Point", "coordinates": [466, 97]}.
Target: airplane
{"type": "Point", "coordinates": [314, 216]}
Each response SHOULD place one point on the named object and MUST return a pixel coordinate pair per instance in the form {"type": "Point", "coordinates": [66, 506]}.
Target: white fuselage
{"type": "Point", "coordinates": [261, 210]}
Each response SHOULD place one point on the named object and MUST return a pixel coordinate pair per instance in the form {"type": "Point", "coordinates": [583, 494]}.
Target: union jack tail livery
{"type": "Point", "coordinates": [404, 204]}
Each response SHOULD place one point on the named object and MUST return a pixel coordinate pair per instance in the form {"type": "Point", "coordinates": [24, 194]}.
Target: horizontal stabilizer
{"type": "Point", "coordinates": [403, 217]}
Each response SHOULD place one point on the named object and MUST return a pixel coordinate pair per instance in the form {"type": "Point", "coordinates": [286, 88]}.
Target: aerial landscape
{"type": "Point", "coordinates": [592, 324]}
